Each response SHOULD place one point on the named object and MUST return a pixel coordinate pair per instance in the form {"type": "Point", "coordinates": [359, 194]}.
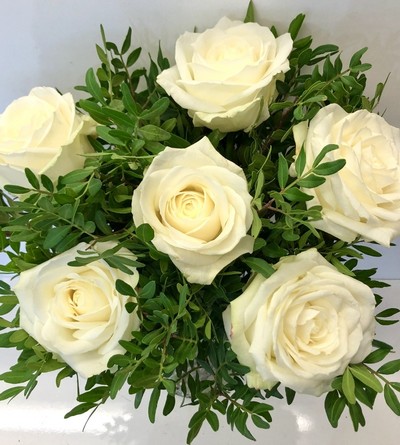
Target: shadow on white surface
{"type": "Point", "coordinates": [40, 419]}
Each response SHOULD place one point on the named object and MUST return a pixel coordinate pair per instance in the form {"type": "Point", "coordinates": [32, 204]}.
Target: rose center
{"type": "Point", "coordinates": [192, 212]}
{"type": "Point", "coordinates": [229, 49]}
{"type": "Point", "coordinates": [76, 301]}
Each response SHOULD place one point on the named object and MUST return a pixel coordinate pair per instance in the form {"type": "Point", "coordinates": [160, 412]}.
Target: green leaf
{"type": "Point", "coordinates": [16, 189]}
{"type": "Point", "coordinates": [145, 233]}
{"type": "Point", "coordinates": [368, 251]}
{"type": "Point", "coordinates": [93, 87]}
{"type": "Point", "coordinates": [259, 422]}
{"type": "Point", "coordinates": [290, 394]}
{"type": "Point", "coordinates": [47, 183]}
{"type": "Point", "coordinates": [329, 168]}
{"type": "Point", "coordinates": [295, 26]}
{"type": "Point", "coordinates": [311, 181]}
{"type": "Point", "coordinates": [348, 387]}
{"type": "Point", "coordinates": [169, 404]}
{"type": "Point", "coordinates": [32, 179]}
{"type": "Point", "coordinates": [157, 109]}
{"type": "Point", "coordinates": [77, 176]}
{"type": "Point", "coordinates": [124, 288]}
{"type": "Point", "coordinates": [283, 171]}
{"type": "Point", "coordinates": [118, 382]}
{"type": "Point", "coordinates": [388, 313]}
{"type": "Point", "coordinates": [356, 415]}
{"type": "Point", "coordinates": [11, 392]}
{"type": "Point", "coordinates": [376, 356]}
{"type": "Point", "coordinates": [212, 420]}
{"type": "Point", "coordinates": [391, 399]}
{"type": "Point", "coordinates": [153, 402]}
{"type": "Point", "coordinates": [153, 133]}
{"type": "Point", "coordinates": [328, 148]}
{"type": "Point", "coordinates": [360, 372]}
{"type": "Point", "coordinates": [80, 409]}
{"type": "Point", "coordinates": [250, 17]}
{"type": "Point", "coordinates": [294, 194]}
{"type": "Point", "coordinates": [318, 98]}
{"type": "Point", "coordinates": [390, 367]}
{"type": "Point", "coordinates": [148, 290]}
{"type": "Point", "coordinates": [133, 57]}
{"type": "Point", "coordinates": [55, 236]}
{"type": "Point", "coordinates": [127, 41]}
{"type": "Point", "coordinates": [300, 162]}
{"type": "Point", "coordinates": [259, 265]}
{"type": "Point", "coordinates": [356, 58]}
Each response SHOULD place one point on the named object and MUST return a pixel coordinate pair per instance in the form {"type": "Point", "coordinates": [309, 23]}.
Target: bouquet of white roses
{"type": "Point", "coordinates": [195, 229]}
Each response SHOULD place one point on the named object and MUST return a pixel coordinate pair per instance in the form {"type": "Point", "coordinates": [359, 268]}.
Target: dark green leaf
{"type": "Point", "coordinates": [153, 402]}
{"type": "Point", "coordinates": [127, 41]}
{"type": "Point", "coordinates": [311, 181]}
{"type": "Point", "coordinates": [133, 57]}
{"type": "Point", "coordinates": [145, 233]}
{"type": "Point", "coordinates": [80, 409]}
{"type": "Point", "coordinates": [295, 25]}
{"type": "Point", "coordinates": [16, 189]}
{"type": "Point", "coordinates": [55, 236]}
{"type": "Point", "coordinates": [391, 399]}
{"type": "Point", "coordinates": [390, 367]}
{"type": "Point", "coordinates": [259, 265]}
{"type": "Point", "coordinates": [356, 58]}
{"type": "Point", "coordinates": [283, 171]}
{"type": "Point", "coordinates": [124, 288]}
{"type": "Point", "coordinates": [249, 17]}
{"type": "Point", "coordinates": [157, 109]}
{"type": "Point", "coordinates": [93, 87]}
{"type": "Point", "coordinates": [329, 168]}
{"type": "Point", "coordinates": [11, 392]}
{"type": "Point", "coordinates": [294, 194]}
{"type": "Point", "coordinates": [32, 179]}
{"type": "Point", "coordinates": [323, 153]}
{"type": "Point", "coordinates": [76, 176]}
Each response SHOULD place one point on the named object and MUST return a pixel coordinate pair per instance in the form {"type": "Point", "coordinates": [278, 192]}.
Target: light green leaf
{"type": "Point", "coordinates": [348, 386]}
{"type": "Point", "coordinates": [360, 372]}
{"type": "Point", "coordinates": [153, 133]}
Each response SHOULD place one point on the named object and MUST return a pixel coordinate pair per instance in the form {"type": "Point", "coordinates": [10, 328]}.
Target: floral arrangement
{"type": "Point", "coordinates": [195, 229]}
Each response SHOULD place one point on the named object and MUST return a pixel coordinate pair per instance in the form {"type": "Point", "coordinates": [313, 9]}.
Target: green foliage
{"type": "Point", "coordinates": [181, 346]}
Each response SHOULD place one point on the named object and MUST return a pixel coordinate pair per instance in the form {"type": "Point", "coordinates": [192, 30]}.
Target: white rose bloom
{"type": "Point", "coordinates": [364, 197]}
{"type": "Point", "coordinates": [302, 326]}
{"type": "Point", "coordinates": [198, 205]}
{"type": "Point", "coordinates": [76, 312]}
{"type": "Point", "coordinates": [42, 131]}
{"type": "Point", "coordinates": [225, 77]}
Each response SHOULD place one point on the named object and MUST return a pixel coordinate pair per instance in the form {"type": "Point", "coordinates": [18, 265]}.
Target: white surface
{"type": "Point", "coordinates": [40, 418]}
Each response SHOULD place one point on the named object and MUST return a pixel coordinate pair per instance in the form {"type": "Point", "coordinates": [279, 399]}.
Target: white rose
{"type": "Point", "coordinates": [42, 131]}
{"type": "Point", "coordinates": [76, 312]}
{"type": "Point", "coordinates": [364, 197]}
{"type": "Point", "coordinates": [302, 326]}
{"type": "Point", "coordinates": [198, 205]}
{"type": "Point", "coordinates": [225, 77]}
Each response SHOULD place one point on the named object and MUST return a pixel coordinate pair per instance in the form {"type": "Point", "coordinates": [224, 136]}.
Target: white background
{"type": "Point", "coordinates": [52, 43]}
